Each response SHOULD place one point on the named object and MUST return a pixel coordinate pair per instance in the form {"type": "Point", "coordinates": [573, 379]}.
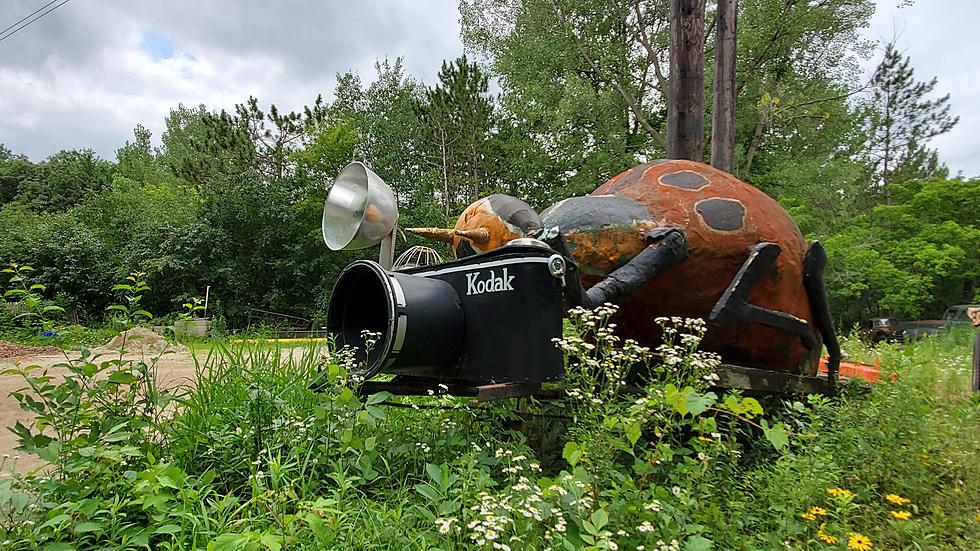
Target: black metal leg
{"type": "Point", "coordinates": [813, 264]}
{"type": "Point", "coordinates": [667, 247]}
{"type": "Point", "coordinates": [733, 307]}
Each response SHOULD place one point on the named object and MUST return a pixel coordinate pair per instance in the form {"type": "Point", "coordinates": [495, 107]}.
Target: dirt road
{"type": "Point", "coordinates": [173, 368]}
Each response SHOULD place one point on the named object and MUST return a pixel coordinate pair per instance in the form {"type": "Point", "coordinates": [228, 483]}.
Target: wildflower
{"type": "Point", "coordinates": [444, 524]}
{"type": "Point", "coordinates": [818, 511]}
{"type": "Point", "coordinates": [897, 499]}
{"type": "Point", "coordinates": [825, 537]}
{"type": "Point", "coordinates": [706, 439]}
{"type": "Point", "coordinates": [646, 527]}
{"type": "Point", "coordinates": [902, 515]}
{"type": "Point", "coordinates": [857, 542]}
{"type": "Point", "coordinates": [839, 492]}
{"type": "Point", "coordinates": [653, 505]}
{"type": "Point", "coordinates": [808, 516]}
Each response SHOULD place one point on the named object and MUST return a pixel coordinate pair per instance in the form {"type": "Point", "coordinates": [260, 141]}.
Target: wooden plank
{"type": "Point", "coordinates": [748, 378]}
{"type": "Point", "coordinates": [505, 390]}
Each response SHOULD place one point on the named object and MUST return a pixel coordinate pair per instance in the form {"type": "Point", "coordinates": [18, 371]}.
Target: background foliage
{"type": "Point", "coordinates": [555, 97]}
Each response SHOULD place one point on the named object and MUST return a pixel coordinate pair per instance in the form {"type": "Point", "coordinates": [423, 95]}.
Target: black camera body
{"type": "Point", "coordinates": [487, 319]}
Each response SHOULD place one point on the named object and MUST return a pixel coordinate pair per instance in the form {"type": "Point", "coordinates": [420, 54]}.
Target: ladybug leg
{"type": "Point", "coordinates": [813, 263]}
{"type": "Point", "coordinates": [733, 307]}
{"type": "Point", "coordinates": [667, 247]}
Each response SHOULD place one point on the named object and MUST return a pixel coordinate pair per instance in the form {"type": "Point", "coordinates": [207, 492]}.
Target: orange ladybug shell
{"type": "Point", "coordinates": [721, 217]}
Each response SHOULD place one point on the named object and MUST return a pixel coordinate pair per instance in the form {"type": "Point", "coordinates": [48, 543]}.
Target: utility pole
{"type": "Point", "coordinates": [723, 106]}
{"type": "Point", "coordinates": [685, 108]}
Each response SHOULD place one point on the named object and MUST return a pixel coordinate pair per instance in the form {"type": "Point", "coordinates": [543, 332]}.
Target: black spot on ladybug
{"type": "Point", "coordinates": [684, 179]}
{"type": "Point", "coordinates": [722, 214]}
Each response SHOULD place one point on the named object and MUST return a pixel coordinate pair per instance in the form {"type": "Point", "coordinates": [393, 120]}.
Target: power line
{"type": "Point", "coordinates": [13, 32]}
{"type": "Point", "coordinates": [27, 17]}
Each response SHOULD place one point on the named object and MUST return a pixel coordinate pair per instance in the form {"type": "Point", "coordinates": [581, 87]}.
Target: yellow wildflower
{"type": "Point", "coordinates": [857, 542]}
{"type": "Point", "coordinates": [818, 511]}
{"type": "Point", "coordinates": [839, 492]}
{"type": "Point", "coordinates": [808, 516]}
{"type": "Point", "coordinates": [897, 499]}
{"type": "Point", "coordinates": [706, 439]}
{"type": "Point", "coordinates": [902, 515]}
{"type": "Point", "coordinates": [825, 537]}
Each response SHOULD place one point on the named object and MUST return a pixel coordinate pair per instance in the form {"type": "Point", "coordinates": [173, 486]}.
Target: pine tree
{"type": "Point", "coordinates": [457, 119]}
{"type": "Point", "coordinates": [903, 119]}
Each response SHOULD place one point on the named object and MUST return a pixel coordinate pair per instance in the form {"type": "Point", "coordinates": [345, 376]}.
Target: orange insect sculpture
{"type": "Point", "coordinates": [680, 238]}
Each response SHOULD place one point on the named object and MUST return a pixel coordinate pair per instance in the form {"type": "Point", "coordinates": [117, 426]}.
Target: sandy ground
{"type": "Point", "coordinates": [174, 368]}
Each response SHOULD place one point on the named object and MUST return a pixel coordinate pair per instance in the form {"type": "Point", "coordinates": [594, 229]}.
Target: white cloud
{"type": "Point", "coordinates": [84, 76]}
{"type": "Point", "coordinates": [940, 38]}
{"type": "Point", "coordinates": [88, 73]}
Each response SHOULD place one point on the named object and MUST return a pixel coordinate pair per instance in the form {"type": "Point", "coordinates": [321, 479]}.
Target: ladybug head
{"type": "Point", "coordinates": [488, 223]}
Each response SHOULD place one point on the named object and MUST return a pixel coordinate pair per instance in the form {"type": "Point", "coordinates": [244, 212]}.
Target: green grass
{"type": "Point", "coordinates": [253, 458]}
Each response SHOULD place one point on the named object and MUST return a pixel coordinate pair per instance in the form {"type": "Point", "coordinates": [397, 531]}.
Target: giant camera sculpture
{"type": "Point", "coordinates": [482, 325]}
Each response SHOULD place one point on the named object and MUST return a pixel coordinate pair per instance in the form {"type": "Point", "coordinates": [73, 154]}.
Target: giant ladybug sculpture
{"type": "Point", "coordinates": [679, 238]}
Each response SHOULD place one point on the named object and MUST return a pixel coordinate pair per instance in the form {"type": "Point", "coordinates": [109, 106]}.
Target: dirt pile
{"type": "Point", "coordinates": [12, 350]}
{"type": "Point", "coordinates": [141, 339]}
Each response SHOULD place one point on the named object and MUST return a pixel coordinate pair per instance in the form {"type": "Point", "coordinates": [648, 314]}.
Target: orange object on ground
{"type": "Point", "coordinates": [855, 369]}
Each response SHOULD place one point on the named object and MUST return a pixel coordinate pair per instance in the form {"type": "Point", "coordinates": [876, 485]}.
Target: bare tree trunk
{"type": "Point", "coordinates": [762, 120]}
{"type": "Point", "coordinates": [723, 111]}
{"type": "Point", "coordinates": [760, 126]}
{"type": "Point", "coordinates": [445, 174]}
{"type": "Point", "coordinates": [685, 107]}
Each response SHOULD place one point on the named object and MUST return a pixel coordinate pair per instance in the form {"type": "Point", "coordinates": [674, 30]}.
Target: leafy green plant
{"type": "Point", "coordinates": [37, 314]}
{"type": "Point", "coordinates": [129, 312]}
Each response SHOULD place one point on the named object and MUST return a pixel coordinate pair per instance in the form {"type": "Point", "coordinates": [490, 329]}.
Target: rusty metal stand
{"type": "Point", "coordinates": [421, 386]}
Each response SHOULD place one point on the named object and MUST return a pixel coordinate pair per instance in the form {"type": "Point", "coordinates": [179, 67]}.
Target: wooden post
{"type": "Point", "coordinates": [685, 106]}
{"type": "Point", "coordinates": [723, 107]}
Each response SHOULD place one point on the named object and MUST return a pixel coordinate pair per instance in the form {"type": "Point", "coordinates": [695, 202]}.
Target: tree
{"type": "Point", "coordinates": [911, 258]}
{"type": "Point", "coordinates": [685, 105]}
{"type": "Point", "coordinates": [589, 78]}
{"type": "Point", "coordinates": [457, 122]}
{"type": "Point", "coordinates": [14, 169]}
{"type": "Point", "coordinates": [797, 65]}
{"type": "Point", "coordinates": [586, 79]}
{"type": "Point", "coordinates": [386, 119]}
{"type": "Point", "coordinates": [327, 150]}
{"type": "Point", "coordinates": [902, 120]}
{"type": "Point", "coordinates": [723, 105]}
{"type": "Point", "coordinates": [64, 180]}
{"type": "Point", "coordinates": [183, 145]}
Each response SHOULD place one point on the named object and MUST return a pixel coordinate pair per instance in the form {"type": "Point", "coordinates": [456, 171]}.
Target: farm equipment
{"type": "Point", "coordinates": [955, 316]}
{"type": "Point", "coordinates": [669, 238]}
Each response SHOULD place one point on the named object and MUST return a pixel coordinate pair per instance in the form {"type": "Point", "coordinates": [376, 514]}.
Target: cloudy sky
{"type": "Point", "coordinates": [87, 73]}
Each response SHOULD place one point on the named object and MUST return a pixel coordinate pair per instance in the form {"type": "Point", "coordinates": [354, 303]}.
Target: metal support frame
{"type": "Point", "coordinates": [421, 386]}
{"type": "Point", "coordinates": [734, 307]}
{"type": "Point", "coordinates": [386, 257]}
